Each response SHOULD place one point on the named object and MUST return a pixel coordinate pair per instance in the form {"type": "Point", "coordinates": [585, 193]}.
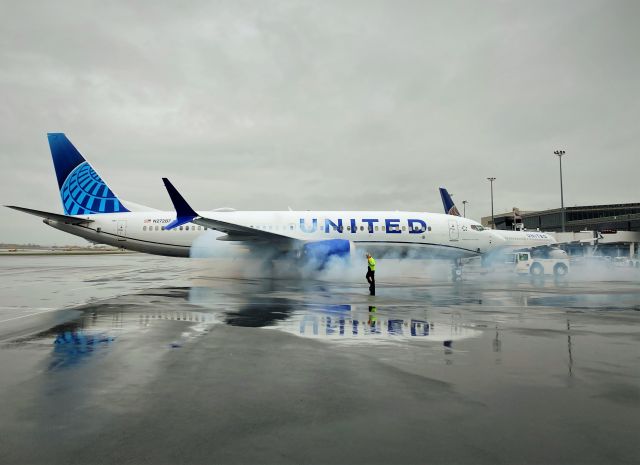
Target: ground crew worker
{"type": "Point", "coordinates": [371, 274]}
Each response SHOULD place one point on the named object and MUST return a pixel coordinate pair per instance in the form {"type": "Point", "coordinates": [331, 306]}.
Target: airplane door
{"type": "Point", "coordinates": [454, 233]}
{"type": "Point", "coordinates": [121, 230]}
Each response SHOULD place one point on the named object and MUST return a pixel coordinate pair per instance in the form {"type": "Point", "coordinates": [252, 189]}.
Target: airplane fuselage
{"type": "Point", "coordinates": [524, 239]}
{"type": "Point", "coordinates": [428, 234]}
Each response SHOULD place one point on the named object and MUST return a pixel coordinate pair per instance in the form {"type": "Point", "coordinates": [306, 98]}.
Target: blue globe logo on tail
{"type": "Point", "coordinates": [82, 190]}
{"type": "Point", "coordinates": [85, 193]}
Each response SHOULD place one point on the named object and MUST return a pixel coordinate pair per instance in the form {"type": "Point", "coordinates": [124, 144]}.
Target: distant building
{"type": "Point", "coordinates": [623, 217]}
{"type": "Point", "coordinates": [608, 222]}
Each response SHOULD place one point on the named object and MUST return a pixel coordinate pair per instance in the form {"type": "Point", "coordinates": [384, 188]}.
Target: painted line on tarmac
{"type": "Point", "coordinates": [30, 314]}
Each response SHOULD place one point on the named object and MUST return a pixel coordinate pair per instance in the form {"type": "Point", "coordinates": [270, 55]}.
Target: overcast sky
{"type": "Point", "coordinates": [341, 105]}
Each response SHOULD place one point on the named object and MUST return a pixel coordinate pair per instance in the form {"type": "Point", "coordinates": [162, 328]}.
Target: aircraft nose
{"type": "Point", "coordinates": [497, 238]}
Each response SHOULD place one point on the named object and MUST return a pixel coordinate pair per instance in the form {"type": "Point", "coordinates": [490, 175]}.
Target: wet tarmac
{"type": "Point", "coordinates": [139, 359]}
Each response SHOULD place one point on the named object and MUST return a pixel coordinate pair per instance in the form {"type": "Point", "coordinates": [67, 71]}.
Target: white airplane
{"type": "Point", "coordinates": [511, 239]}
{"type": "Point", "coordinates": [94, 212]}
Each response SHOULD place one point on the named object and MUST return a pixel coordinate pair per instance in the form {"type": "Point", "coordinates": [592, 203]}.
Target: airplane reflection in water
{"type": "Point", "coordinates": [72, 342]}
{"type": "Point", "coordinates": [346, 321]}
{"type": "Point", "coordinates": [192, 312]}
{"type": "Point", "coordinates": [331, 321]}
{"type": "Point", "coordinates": [101, 326]}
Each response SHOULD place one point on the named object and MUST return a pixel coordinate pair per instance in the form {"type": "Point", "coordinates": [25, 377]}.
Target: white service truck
{"type": "Point", "coordinates": [555, 262]}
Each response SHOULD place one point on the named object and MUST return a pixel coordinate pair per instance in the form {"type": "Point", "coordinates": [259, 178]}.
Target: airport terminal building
{"type": "Point", "coordinates": [617, 225]}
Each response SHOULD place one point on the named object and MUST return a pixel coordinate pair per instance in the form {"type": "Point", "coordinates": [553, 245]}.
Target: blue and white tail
{"type": "Point", "coordinates": [447, 202]}
{"type": "Point", "coordinates": [82, 190]}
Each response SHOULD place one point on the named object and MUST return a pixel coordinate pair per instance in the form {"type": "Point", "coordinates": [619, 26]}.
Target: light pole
{"type": "Point", "coordinates": [560, 153]}
{"type": "Point", "coordinates": [464, 208]}
{"type": "Point", "coordinates": [493, 221]}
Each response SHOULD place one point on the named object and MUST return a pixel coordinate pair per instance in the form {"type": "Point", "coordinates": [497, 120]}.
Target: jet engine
{"type": "Point", "coordinates": [321, 251]}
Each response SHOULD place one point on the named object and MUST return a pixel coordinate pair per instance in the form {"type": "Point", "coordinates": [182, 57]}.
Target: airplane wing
{"type": "Point", "coordinates": [235, 232]}
{"type": "Point", "coordinates": [51, 216]}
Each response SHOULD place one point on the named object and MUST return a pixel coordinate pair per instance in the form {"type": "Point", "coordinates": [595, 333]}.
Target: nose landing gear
{"type": "Point", "coordinates": [456, 271]}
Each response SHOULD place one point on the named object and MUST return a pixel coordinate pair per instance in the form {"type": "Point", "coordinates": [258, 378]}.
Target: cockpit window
{"type": "Point", "coordinates": [477, 227]}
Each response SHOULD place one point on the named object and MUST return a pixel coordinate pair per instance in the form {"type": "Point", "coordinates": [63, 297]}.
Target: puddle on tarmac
{"type": "Point", "coordinates": [102, 324]}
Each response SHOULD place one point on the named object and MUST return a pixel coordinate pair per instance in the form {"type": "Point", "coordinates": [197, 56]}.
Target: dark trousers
{"type": "Point", "coordinates": [371, 279]}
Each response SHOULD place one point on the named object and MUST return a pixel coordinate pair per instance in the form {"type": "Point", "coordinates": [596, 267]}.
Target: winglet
{"type": "Point", "coordinates": [184, 212]}
{"type": "Point", "coordinates": [449, 207]}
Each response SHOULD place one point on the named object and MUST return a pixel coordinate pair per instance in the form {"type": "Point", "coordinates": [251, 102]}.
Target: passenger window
{"type": "Point", "coordinates": [404, 228]}
{"type": "Point", "coordinates": [429, 228]}
{"type": "Point", "coordinates": [186, 228]}
{"type": "Point", "coordinates": [180, 228]}
{"type": "Point", "coordinates": [144, 228]}
{"type": "Point", "coordinates": [291, 227]}
{"type": "Point", "coordinates": [348, 228]}
{"type": "Point", "coordinates": [361, 228]}
{"type": "Point", "coordinates": [376, 228]}
{"type": "Point", "coordinates": [162, 228]}
{"type": "Point", "coordinates": [384, 228]}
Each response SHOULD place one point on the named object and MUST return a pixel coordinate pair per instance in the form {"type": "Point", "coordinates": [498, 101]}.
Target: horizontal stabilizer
{"type": "Point", "coordinates": [51, 216]}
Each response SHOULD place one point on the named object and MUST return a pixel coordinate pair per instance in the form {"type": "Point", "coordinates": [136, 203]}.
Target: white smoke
{"type": "Point", "coordinates": [248, 260]}
{"type": "Point", "coordinates": [253, 260]}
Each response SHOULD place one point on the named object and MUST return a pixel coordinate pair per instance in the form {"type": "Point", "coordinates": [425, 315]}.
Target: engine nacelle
{"type": "Point", "coordinates": [321, 251]}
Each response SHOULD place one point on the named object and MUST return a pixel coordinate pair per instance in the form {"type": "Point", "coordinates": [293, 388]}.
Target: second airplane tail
{"type": "Point", "coordinates": [82, 190]}
{"type": "Point", "coordinates": [449, 207]}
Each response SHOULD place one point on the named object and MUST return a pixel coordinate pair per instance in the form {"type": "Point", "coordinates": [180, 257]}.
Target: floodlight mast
{"type": "Point", "coordinates": [560, 153]}
{"type": "Point", "coordinates": [493, 220]}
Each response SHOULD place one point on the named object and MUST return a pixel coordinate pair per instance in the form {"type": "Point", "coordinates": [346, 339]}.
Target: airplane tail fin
{"type": "Point", "coordinates": [449, 207]}
{"type": "Point", "coordinates": [82, 190]}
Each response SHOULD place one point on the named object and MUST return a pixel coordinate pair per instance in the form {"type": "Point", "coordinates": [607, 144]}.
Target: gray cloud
{"type": "Point", "coordinates": [321, 105]}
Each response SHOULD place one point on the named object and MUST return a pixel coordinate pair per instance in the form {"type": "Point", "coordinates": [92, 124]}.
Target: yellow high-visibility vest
{"type": "Point", "coordinates": [372, 264]}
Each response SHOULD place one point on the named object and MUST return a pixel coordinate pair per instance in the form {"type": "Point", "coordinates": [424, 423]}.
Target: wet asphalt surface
{"type": "Point", "coordinates": [138, 359]}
